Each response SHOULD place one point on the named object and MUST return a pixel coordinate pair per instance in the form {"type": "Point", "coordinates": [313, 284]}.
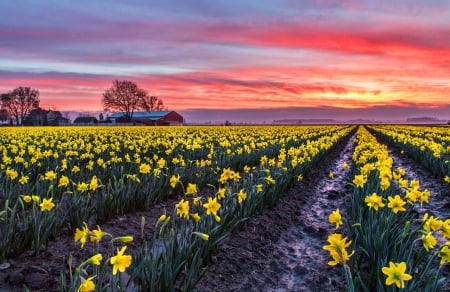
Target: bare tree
{"type": "Point", "coordinates": [20, 101]}
{"type": "Point", "coordinates": [124, 96]}
{"type": "Point", "coordinates": [151, 103]}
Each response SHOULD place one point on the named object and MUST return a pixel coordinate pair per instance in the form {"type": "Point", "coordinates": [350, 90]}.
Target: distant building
{"type": "Point", "coordinates": [151, 118]}
{"type": "Point", "coordinates": [4, 116]}
{"type": "Point", "coordinates": [86, 121]}
{"type": "Point", "coordinates": [59, 121]}
{"type": "Point", "coordinates": [287, 122]}
{"type": "Point", "coordinates": [41, 117]}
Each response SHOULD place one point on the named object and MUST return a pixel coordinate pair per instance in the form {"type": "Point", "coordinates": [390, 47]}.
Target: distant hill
{"type": "Point", "coordinates": [425, 120]}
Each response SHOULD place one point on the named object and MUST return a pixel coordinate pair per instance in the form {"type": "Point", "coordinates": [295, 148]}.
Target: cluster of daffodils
{"type": "Point", "coordinates": [429, 145]}
{"type": "Point", "coordinates": [45, 204]}
{"type": "Point", "coordinates": [85, 281]}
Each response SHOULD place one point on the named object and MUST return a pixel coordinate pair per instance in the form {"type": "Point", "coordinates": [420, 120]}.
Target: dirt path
{"type": "Point", "coordinates": [281, 248]}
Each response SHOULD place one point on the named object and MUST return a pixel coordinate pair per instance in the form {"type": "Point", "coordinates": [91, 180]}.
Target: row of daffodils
{"type": "Point", "coordinates": [60, 178]}
{"type": "Point", "coordinates": [381, 242]}
{"type": "Point", "coordinates": [428, 145]}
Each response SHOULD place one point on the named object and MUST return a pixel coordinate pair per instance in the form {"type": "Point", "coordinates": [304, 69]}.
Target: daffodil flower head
{"type": "Point", "coordinates": [335, 218]}
{"type": "Point", "coordinates": [396, 274]}
{"type": "Point", "coordinates": [120, 261]}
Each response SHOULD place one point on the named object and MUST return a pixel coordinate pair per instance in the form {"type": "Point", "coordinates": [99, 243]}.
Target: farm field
{"type": "Point", "coordinates": [214, 209]}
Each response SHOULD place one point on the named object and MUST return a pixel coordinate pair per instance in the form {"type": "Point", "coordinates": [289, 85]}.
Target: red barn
{"type": "Point", "coordinates": [152, 118]}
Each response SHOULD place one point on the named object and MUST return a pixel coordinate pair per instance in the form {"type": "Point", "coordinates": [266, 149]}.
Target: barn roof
{"type": "Point", "coordinates": [151, 115]}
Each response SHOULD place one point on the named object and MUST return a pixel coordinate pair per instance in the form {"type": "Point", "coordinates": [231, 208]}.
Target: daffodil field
{"type": "Point", "coordinates": [56, 180]}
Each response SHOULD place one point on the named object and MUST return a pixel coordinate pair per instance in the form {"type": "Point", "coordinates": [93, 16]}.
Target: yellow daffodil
{"type": "Point", "coordinates": [27, 199]}
{"type": "Point", "coordinates": [174, 180]}
{"type": "Point", "coordinates": [182, 209]}
{"type": "Point", "coordinates": [144, 168]}
{"type": "Point", "coordinates": [23, 180]}
{"type": "Point", "coordinates": [126, 238]}
{"type": "Point", "coordinates": [221, 193]}
{"type": "Point", "coordinates": [47, 204]}
{"type": "Point", "coordinates": [259, 188]}
{"type": "Point", "coordinates": [120, 262]}
{"type": "Point", "coordinates": [359, 180]}
{"type": "Point", "coordinates": [212, 206]}
{"type": "Point", "coordinates": [396, 274]}
{"type": "Point", "coordinates": [374, 201]}
{"type": "Point", "coordinates": [396, 204]}
{"type": "Point", "coordinates": [97, 234]}
{"type": "Point", "coordinates": [345, 165]}
{"type": "Point", "coordinates": [162, 218]}
{"type": "Point", "coordinates": [87, 285]}
{"type": "Point", "coordinates": [95, 259]}
{"type": "Point", "coordinates": [82, 187]}
{"type": "Point", "coordinates": [50, 175]}
{"type": "Point", "coordinates": [242, 196]}
{"type": "Point", "coordinates": [197, 201]}
{"type": "Point", "coordinates": [82, 235]}
{"type": "Point", "coordinates": [445, 229]}
{"type": "Point", "coordinates": [93, 185]}
{"type": "Point", "coordinates": [12, 174]}
{"type": "Point", "coordinates": [431, 223]}
{"type": "Point", "coordinates": [429, 241]}
{"type": "Point", "coordinates": [161, 163]}
{"type": "Point", "coordinates": [444, 254]}
{"type": "Point", "coordinates": [335, 218]}
{"type": "Point", "coordinates": [203, 236]}
{"type": "Point", "coordinates": [196, 217]}
{"type": "Point", "coordinates": [63, 181]}
{"type": "Point", "coordinates": [191, 189]}
{"type": "Point", "coordinates": [270, 180]}
{"type": "Point", "coordinates": [337, 249]}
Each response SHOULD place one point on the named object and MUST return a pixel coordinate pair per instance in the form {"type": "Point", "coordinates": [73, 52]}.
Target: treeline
{"type": "Point", "coordinates": [123, 96]}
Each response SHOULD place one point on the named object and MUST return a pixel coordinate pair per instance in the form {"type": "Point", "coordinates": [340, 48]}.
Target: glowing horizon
{"type": "Point", "coordinates": [231, 55]}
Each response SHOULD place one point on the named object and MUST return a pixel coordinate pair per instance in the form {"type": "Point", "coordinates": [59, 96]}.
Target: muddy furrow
{"type": "Point", "coordinates": [281, 248]}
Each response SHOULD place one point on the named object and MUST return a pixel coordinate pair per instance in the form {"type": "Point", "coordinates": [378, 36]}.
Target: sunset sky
{"type": "Point", "coordinates": [211, 60]}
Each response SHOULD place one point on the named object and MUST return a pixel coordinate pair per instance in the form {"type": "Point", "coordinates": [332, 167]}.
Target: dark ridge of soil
{"type": "Point", "coordinates": [280, 249]}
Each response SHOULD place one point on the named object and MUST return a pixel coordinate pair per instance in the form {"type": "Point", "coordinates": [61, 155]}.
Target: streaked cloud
{"type": "Point", "coordinates": [231, 54]}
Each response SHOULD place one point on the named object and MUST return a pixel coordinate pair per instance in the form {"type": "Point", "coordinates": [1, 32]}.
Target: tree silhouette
{"type": "Point", "coordinates": [124, 96]}
{"type": "Point", "coordinates": [151, 103]}
{"type": "Point", "coordinates": [19, 102]}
